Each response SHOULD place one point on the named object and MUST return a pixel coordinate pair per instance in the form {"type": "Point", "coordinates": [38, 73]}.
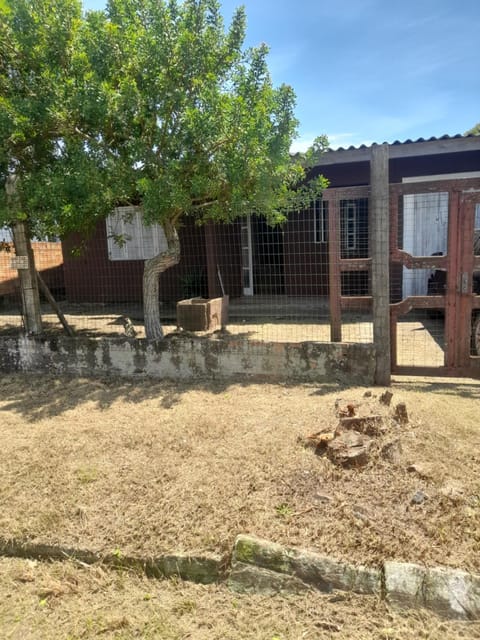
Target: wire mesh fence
{"type": "Point", "coordinates": [276, 277]}
{"type": "Point", "coordinates": [288, 283]}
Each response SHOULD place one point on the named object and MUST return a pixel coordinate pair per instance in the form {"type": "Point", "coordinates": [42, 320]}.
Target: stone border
{"type": "Point", "coordinates": [260, 566]}
{"type": "Point", "coordinates": [203, 569]}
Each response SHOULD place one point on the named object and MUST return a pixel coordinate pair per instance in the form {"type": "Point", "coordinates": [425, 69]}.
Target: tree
{"type": "Point", "coordinates": [192, 121]}
{"type": "Point", "coordinates": [475, 131]}
{"type": "Point", "coordinates": [53, 183]}
{"type": "Point", "coordinates": [150, 102]}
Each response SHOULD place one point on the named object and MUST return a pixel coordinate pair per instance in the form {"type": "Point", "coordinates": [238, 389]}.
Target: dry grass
{"type": "Point", "coordinates": [56, 601]}
{"type": "Point", "coordinates": [265, 329]}
{"type": "Point", "coordinates": [148, 467]}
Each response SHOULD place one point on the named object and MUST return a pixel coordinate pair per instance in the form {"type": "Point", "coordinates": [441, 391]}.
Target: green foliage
{"type": "Point", "coordinates": [474, 130]}
{"type": "Point", "coordinates": [61, 182]}
{"type": "Point", "coordinates": [284, 510]}
{"type": "Point", "coordinates": [149, 101]}
{"type": "Point", "coordinates": [192, 118]}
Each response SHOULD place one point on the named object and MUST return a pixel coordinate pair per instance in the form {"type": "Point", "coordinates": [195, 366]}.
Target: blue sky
{"type": "Point", "coordinates": [371, 70]}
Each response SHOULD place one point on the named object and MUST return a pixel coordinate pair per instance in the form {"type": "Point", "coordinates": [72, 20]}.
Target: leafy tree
{"type": "Point", "coordinates": [151, 102]}
{"type": "Point", "coordinates": [53, 182]}
{"type": "Point", "coordinates": [192, 119]}
{"type": "Point", "coordinates": [474, 130]}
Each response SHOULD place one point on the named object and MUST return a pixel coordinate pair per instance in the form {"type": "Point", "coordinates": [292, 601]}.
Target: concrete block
{"type": "Point", "coordinates": [247, 578]}
{"type": "Point", "coordinates": [321, 572]}
{"type": "Point", "coordinates": [404, 583]}
{"type": "Point", "coordinates": [453, 593]}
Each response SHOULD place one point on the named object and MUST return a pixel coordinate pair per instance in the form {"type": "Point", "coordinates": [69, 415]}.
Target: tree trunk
{"type": "Point", "coordinates": [153, 268]}
{"type": "Point", "coordinates": [27, 274]}
{"type": "Point", "coordinates": [28, 280]}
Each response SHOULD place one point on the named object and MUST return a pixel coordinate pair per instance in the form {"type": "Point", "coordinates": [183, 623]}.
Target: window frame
{"type": "Point", "coordinates": [320, 221]}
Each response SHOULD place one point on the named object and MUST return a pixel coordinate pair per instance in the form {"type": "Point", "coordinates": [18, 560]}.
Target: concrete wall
{"type": "Point", "coordinates": [189, 357]}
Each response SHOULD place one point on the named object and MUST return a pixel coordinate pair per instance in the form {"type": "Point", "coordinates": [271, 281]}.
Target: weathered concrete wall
{"type": "Point", "coordinates": [189, 357]}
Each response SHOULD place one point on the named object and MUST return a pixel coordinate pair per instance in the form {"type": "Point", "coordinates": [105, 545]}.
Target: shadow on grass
{"type": "Point", "coordinates": [457, 388]}
{"type": "Point", "coordinates": [37, 397]}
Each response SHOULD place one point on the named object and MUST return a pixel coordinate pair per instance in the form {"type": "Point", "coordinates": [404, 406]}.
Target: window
{"type": "Point", "coordinates": [320, 208]}
{"type": "Point", "coordinates": [477, 217]}
{"type": "Point", "coordinates": [354, 240]}
{"type": "Point", "coordinates": [129, 239]}
{"type": "Point", "coordinates": [350, 226]}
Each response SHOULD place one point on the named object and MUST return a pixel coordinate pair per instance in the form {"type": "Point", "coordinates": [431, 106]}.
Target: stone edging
{"type": "Point", "coordinates": [203, 569]}
{"type": "Point", "coordinates": [261, 566]}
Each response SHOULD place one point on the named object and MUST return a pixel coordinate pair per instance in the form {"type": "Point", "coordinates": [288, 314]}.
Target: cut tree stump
{"type": "Point", "coordinates": [350, 449]}
{"type": "Point", "coordinates": [370, 425]}
{"type": "Point", "coordinates": [401, 413]}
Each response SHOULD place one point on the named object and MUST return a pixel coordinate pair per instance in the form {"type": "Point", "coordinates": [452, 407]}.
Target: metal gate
{"type": "Point", "coordinates": [435, 278]}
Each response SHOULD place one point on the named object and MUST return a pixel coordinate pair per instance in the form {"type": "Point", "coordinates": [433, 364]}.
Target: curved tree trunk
{"type": "Point", "coordinates": [153, 268]}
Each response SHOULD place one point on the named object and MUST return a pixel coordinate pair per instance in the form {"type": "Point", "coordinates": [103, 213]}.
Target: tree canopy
{"type": "Point", "coordinates": [193, 118]}
{"type": "Point", "coordinates": [474, 130]}
{"type": "Point", "coordinates": [152, 102]}
{"type": "Point", "coordinates": [59, 180]}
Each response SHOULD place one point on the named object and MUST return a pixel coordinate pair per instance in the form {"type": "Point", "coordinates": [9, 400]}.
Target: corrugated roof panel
{"type": "Point", "coordinates": [408, 141]}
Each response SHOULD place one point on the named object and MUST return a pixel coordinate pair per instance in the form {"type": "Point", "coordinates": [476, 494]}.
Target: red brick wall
{"type": "Point", "coordinates": [48, 260]}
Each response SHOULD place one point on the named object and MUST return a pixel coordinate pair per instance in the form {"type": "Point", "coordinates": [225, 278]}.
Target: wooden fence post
{"type": "Point", "coordinates": [28, 279]}
{"type": "Point", "coordinates": [211, 250]}
{"type": "Point", "coordinates": [334, 273]}
{"type": "Point", "coordinates": [380, 236]}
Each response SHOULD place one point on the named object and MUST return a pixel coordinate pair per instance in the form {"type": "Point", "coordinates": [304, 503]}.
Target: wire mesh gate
{"type": "Point", "coordinates": [435, 277]}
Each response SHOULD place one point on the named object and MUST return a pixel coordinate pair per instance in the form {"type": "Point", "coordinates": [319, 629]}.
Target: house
{"type": "Point", "coordinates": [252, 259]}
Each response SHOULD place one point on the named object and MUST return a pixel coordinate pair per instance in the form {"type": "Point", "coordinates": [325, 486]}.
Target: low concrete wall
{"type": "Point", "coordinates": [191, 357]}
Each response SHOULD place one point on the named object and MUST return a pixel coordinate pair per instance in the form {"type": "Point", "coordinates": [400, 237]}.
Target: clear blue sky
{"type": "Point", "coordinates": [371, 70]}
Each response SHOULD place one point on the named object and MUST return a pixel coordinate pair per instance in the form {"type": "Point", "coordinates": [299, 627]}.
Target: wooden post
{"type": "Point", "coordinates": [53, 303]}
{"type": "Point", "coordinates": [28, 279]}
{"type": "Point", "coordinates": [334, 273]}
{"type": "Point", "coordinates": [211, 251]}
{"type": "Point", "coordinates": [380, 231]}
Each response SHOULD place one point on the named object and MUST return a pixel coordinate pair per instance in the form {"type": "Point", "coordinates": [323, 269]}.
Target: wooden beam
{"type": "Point", "coordinates": [380, 217]}
{"type": "Point", "coordinates": [452, 285]}
{"type": "Point", "coordinates": [53, 303]}
{"type": "Point", "coordinates": [334, 275]}
{"type": "Point", "coordinates": [211, 251]}
{"type": "Point", "coordinates": [355, 264]}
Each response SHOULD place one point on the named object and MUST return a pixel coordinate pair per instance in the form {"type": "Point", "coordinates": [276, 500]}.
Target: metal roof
{"type": "Point", "coordinates": [405, 149]}
{"type": "Point", "coordinates": [408, 141]}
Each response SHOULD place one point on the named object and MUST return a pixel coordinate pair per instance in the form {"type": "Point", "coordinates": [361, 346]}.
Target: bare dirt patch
{"type": "Point", "coordinates": [149, 467]}
{"type": "Point", "coordinates": [39, 600]}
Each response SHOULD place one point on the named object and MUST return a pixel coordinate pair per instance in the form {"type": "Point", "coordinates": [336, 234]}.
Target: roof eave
{"type": "Point", "coordinates": [407, 149]}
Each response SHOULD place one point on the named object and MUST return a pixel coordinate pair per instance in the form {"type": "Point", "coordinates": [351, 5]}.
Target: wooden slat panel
{"type": "Point", "coordinates": [417, 302]}
{"type": "Point", "coordinates": [419, 262]}
{"type": "Point", "coordinates": [355, 264]}
{"type": "Point", "coordinates": [356, 303]}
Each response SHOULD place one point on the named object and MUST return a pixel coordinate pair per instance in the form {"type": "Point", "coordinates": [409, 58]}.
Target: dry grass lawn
{"type": "Point", "coordinates": [64, 601]}
{"type": "Point", "coordinates": [146, 467]}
